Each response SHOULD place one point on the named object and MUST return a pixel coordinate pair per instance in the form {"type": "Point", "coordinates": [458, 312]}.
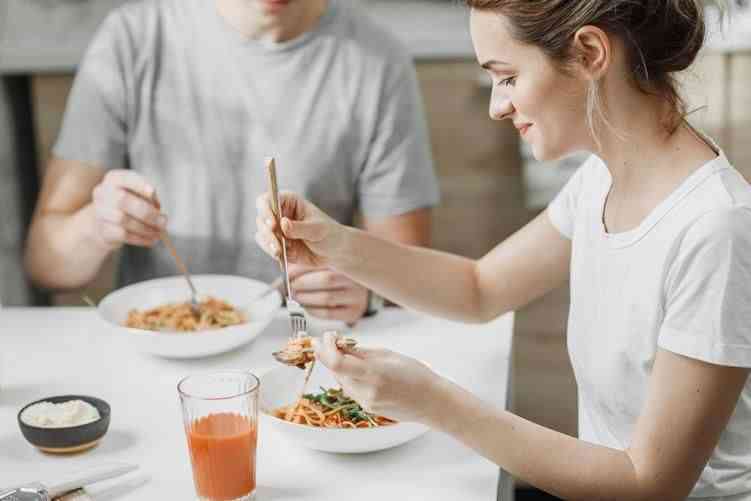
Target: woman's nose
{"type": "Point", "coordinates": [500, 107]}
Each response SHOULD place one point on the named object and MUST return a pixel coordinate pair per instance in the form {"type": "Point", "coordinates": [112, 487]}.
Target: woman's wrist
{"type": "Point", "coordinates": [347, 255]}
{"type": "Point", "coordinates": [443, 404]}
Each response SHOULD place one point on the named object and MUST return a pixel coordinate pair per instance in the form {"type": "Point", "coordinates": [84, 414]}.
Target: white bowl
{"type": "Point", "coordinates": [280, 387]}
{"type": "Point", "coordinates": [241, 292]}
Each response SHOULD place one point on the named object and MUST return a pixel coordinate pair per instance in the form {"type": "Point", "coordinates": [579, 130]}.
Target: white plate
{"type": "Point", "coordinates": [238, 291]}
{"type": "Point", "coordinates": [280, 387]}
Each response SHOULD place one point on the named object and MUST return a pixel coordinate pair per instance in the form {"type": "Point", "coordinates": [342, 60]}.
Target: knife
{"type": "Point", "coordinates": [68, 488]}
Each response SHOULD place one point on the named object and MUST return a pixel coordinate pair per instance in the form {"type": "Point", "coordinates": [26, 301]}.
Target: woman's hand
{"type": "Point", "coordinates": [126, 211]}
{"type": "Point", "coordinates": [383, 382]}
{"type": "Point", "coordinates": [313, 238]}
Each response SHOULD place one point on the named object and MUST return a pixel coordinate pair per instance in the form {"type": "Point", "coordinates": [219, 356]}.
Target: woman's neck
{"type": "Point", "coordinates": [248, 18]}
{"type": "Point", "coordinates": [637, 148]}
{"type": "Point", "coordinates": [646, 162]}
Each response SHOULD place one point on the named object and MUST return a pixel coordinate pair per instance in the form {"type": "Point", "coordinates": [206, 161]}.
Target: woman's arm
{"type": "Point", "coordinates": [687, 408]}
{"type": "Point", "coordinates": [525, 266]}
{"type": "Point", "coordinates": [688, 405]}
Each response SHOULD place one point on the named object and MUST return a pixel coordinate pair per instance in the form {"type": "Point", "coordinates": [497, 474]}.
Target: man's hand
{"type": "Point", "coordinates": [126, 211]}
{"type": "Point", "coordinates": [327, 294]}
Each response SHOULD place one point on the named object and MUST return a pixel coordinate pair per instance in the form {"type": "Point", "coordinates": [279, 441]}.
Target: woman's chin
{"type": "Point", "coordinates": [543, 154]}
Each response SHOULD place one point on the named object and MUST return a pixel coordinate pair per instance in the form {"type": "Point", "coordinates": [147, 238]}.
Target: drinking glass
{"type": "Point", "coordinates": [220, 414]}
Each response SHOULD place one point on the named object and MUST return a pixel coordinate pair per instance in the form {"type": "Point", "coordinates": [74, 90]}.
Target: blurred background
{"type": "Point", "coordinates": [491, 186]}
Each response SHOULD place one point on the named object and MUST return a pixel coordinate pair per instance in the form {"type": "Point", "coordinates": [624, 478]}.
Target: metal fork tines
{"type": "Point", "coordinates": [297, 319]}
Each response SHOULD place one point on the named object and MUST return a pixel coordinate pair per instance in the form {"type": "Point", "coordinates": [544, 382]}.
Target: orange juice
{"type": "Point", "coordinates": [223, 452]}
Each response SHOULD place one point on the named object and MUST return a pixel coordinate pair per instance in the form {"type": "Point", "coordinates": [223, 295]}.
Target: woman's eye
{"type": "Point", "coordinates": [507, 81]}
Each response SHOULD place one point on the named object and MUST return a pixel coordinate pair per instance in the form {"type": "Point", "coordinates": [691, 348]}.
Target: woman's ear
{"type": "Point", "coordinates": [593, 51]}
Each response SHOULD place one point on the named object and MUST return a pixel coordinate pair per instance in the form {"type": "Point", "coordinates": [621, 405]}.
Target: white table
{"type": "Point", "coordinates": [51, 351]}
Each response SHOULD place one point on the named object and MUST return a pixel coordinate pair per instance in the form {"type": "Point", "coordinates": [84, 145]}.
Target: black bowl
{"type": "Point", "coordinates": [70, 439]}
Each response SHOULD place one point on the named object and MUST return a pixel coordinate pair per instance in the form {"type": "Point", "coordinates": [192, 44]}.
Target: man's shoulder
{"type": "Point", "coordinates": [362, 33]}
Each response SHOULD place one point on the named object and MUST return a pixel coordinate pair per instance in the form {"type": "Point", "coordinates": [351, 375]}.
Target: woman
{"type": "Point", "coordinates": [653, 232]}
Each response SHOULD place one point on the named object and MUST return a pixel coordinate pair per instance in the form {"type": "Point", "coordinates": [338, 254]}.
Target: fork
{"type": "Point", "coordinates": [297, 320]}
{"type": "Point", "coordinates": [296, 317]}
{"type": "Point", "coordinates": [195, 305]}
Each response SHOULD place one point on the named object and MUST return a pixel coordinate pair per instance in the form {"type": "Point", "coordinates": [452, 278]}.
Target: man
{"type": "Point", "coordinates": [174, 108]}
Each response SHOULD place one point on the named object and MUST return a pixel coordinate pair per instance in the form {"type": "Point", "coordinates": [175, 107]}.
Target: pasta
{"type": "Point", "coordinates": [298, 351]}
{"type": "Point", "coordinates": [214, 314]}
{"type": "Point", "coordinates": [330, 408]}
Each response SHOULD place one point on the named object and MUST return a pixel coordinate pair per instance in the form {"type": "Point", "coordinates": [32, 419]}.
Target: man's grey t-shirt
{"type": "Point", "coordinates": [168, 89]}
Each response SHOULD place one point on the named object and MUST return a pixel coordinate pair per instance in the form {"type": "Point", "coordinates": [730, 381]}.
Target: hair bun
{"type": "Point", "coordinates": [668, 34]}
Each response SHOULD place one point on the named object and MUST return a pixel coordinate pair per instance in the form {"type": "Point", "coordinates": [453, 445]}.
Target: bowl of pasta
{"type": "Point", "coordinates": [158, 318]}
{"type": "Point", "coordinates": [318, 415]}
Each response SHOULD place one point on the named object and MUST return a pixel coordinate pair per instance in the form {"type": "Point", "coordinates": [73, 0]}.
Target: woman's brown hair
{"type": "Point", "coordinates": [662, 37]}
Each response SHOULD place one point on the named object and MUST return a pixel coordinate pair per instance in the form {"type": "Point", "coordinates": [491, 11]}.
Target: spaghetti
{"type": "Point", "coordinates": [330, 408]}
{"type": "Point", "coordinates": [213, 314]}
{"type": "Point", "coordinates": [298, 351]}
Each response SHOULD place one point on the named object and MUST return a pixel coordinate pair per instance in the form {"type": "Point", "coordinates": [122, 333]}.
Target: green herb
{"type": "Point", "coordinates": [334, 400]}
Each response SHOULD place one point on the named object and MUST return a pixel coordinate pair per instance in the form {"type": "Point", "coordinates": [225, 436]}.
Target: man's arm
{"type": "Point", "coordinates": [61, 251]}
{"type": "Point", "coordinates": [90, 205]}
{"type": "Point", "coordinates": [412, 228]}
{"type": "Point", "coordinates": [85, 213]}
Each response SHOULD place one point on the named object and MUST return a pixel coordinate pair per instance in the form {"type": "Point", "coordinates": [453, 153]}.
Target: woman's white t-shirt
{"type": "Point", "coordinates": [680, 281]}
